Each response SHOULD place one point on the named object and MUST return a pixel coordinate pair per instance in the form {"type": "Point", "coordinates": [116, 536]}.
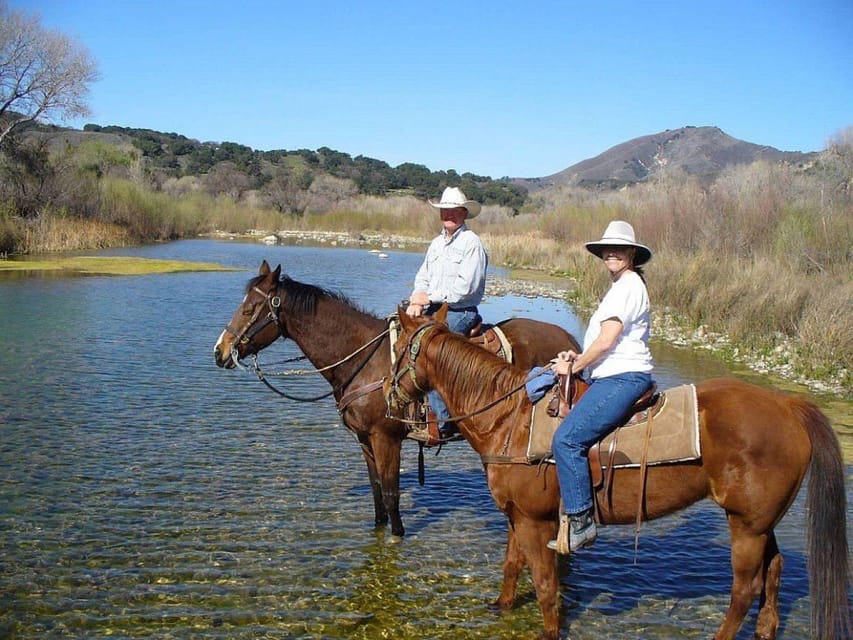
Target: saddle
{"type": "Point", "coordinates": [569, 390]}
{"type": "Point", "coordinates": [492, 339]}
{"type": "Point", "coordinates": [634, 443]}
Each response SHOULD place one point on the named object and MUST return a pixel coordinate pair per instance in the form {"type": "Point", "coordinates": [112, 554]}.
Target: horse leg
{"type": "Point", "coordinates": [532, 539]}
{"type": "Point", "coordinates": [514, 562]}
{"type": "Point", "coordinates": [386, 452]}
{"type": "Point", "coordinates": [768, 612]}
{"type": "Point", "coordinates": [379, 511]}
{"type": "Point", "coordinates": [748, 557]}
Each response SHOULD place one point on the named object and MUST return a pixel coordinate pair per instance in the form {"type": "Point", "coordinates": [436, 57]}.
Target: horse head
{"type": "Point", "coordinates": [256, 323]}
{"type": "Point", "coordinates": [403, 385]}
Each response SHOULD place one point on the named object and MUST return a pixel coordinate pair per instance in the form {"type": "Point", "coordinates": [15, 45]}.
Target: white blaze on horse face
{"type": "Point", "coordinates": [219, 341]}
{"type": "Point", "coordinates": [217, 348]}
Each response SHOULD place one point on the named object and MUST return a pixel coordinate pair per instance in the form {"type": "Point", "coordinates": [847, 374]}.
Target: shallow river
{"type": "Point", "coordinates": [146, 493]}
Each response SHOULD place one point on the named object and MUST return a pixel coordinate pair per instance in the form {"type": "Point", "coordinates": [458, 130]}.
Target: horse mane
{"type": "Point", "coordinates": [302, 298]}
{"type": "Point", "coordinates": [479, 375]}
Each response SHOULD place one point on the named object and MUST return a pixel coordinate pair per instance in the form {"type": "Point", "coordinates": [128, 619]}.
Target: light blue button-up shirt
{"type": "Point", "coordinates": [454, 269]}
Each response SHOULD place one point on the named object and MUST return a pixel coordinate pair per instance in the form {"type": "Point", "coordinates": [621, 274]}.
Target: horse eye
{"type": "Point", "coordinates": [248, 310]}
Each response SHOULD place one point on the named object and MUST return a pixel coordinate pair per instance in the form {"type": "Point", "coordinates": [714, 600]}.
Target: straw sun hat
{"type": "Point", "coordinates": [620, 234]}
{"type": "Point", "coordinates": [453, 197]}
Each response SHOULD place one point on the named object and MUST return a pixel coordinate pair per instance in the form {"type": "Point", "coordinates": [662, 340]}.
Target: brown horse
{"type": "Point", "coordinates": [757, 446]}
{"type": "Point", "coordinates": [329, 329]}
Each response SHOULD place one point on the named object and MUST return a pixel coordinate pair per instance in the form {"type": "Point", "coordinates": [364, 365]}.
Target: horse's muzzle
{"type": "Point", "coordinates": [223, 362]}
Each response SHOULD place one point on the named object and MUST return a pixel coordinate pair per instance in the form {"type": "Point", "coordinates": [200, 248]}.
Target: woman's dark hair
{"type": "Point", "coordinates": [636, 269]}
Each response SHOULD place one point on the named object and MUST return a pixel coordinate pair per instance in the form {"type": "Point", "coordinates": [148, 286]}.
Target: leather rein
{"type": "Point", "coordinates": [257, 324]}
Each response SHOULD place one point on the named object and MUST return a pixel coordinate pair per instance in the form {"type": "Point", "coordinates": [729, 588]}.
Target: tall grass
{"type": "Point", "coordinates": [55, 231]}
{"type": "Point", "coordinates": [403, 215]}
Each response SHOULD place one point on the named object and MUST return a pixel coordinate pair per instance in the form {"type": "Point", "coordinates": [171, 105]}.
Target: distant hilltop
{"type": "Point", "coordinates": [702, 152]}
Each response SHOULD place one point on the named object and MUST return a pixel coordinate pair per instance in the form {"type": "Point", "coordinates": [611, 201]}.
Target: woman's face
{"type": "Point", "coordinates": [618, 259]}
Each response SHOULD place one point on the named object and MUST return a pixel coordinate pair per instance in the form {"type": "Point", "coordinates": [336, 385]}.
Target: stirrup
{"type": "Point", "coordinates": [561, 544]}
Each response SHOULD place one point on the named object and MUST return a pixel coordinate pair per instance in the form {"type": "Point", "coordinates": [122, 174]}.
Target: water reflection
{"type": "Point", "coordinates": [147, 493]}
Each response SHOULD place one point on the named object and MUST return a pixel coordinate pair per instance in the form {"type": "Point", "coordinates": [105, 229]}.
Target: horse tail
{"type": "Point", "coordinates": [826, 501]}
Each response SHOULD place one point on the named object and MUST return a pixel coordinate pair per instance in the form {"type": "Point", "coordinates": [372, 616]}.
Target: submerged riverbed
{"type": "Point", "coordinates": [146, 493]}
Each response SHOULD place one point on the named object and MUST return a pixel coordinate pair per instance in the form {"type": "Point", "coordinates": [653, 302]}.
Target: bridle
{"type": "Point", "coordinates": [398, 397]}
{"type": "Point", "coordinates": [246, 337]}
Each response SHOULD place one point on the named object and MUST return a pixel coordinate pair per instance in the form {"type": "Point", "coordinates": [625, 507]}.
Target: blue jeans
{"type": "Point", "coordinates": [459, 321]}
{"type": "Point", "coordinates": [597, 413]}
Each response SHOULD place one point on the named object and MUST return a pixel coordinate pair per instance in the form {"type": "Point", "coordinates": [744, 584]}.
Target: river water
{"type": "Point", "coordinates": [146, 493]}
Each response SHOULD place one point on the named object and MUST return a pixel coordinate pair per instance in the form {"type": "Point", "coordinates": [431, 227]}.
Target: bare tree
{"type": "Point", "coordinates": [44, 75]}
{"type": "Point", "coordinates": [225, 177]}
{"type": "Point", "coordinates": [327, 191]}
{"type": "Point", "coordinates": [287, 190]}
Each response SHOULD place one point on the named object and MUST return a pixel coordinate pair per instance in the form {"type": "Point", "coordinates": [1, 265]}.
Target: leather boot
{"type": "Point", "coordinates": [449, 431]}
{"type": "Point", "coordinates": [583, 530]}
{"type": "Point", "coordinates": [576, 532]}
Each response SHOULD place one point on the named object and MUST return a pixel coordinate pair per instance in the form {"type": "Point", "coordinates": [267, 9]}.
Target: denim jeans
{"type": "Point", "coordinates": [597, 413]}
{"type": "Point", "coordinates": [459, 321]}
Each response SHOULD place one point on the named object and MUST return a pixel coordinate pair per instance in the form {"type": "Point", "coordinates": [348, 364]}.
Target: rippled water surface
{"type": "Point", "coordinates": [146, 493]}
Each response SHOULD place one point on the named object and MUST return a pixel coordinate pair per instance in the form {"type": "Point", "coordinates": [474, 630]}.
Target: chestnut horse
{"type": "Point", "coordinates": [757, 446]}
{"type": "Point", "coordinates": [329, 329]}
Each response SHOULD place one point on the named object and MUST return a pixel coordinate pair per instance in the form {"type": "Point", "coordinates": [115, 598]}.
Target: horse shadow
{"type": "Point", "coordinates": [684, 556]}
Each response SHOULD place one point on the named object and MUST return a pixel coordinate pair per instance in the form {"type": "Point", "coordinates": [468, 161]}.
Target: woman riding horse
{"type": "Point", "coordinates": [757, 446]}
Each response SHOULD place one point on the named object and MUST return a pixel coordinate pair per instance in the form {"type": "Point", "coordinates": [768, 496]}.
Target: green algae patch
{"type": "Point", "coordinates": [110, 265]}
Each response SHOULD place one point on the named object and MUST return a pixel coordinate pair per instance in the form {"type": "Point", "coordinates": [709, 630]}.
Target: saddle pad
{"type": "Point", "coordinates": [674, 436]}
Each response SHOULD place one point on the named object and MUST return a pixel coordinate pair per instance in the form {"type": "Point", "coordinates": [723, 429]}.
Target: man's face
{"type": "Point", "coordinates": [452, 219]}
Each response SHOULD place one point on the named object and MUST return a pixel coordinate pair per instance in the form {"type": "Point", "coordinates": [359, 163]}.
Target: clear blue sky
{"type": "Point", "coordinates": [522, 89]}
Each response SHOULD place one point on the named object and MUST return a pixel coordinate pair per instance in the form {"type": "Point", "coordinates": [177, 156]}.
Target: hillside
{"type": "Point", "coordinates": [702, 152]}
{"type": "Point", "coordinates": [697, 151]}
{"type": "Point", "coordinates": [172, 155]}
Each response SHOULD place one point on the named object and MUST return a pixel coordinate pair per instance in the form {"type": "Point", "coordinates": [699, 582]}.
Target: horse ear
{"type": "Point", "coordinates": [407, 322]}
{"type": "Point", "coordinates": [276, 275]}
{"type": "Point", "coordinates": [441, 314]}
{"type": "Point", "coordinates": [265, 269]}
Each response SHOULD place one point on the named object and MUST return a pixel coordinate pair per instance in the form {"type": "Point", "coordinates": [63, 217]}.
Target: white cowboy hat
{"type": "Point", "coordinates": [620, 234]}
{"type": "Point", "coordinates": [453, 197]}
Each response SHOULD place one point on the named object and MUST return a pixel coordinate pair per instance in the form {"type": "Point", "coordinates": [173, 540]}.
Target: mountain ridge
{"type": "Point", "coordinates": [703, 152]}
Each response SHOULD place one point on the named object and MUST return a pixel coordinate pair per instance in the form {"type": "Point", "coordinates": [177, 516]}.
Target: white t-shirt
{"type": "Point", "coordinates": [628, 301]}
